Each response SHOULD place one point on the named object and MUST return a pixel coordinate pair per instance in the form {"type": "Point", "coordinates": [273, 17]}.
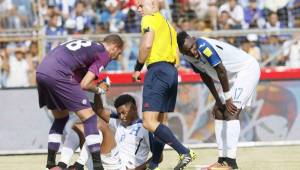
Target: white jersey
{"type": "Point", "coordinates": [214, 52]}
{"type": "Point", "coordinates": [242, 69]}
{"type": "Point", "coordinates": [133, 142]}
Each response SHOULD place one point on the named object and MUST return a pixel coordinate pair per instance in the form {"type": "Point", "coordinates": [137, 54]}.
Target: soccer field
{"type": "Point", "coordinates": [254, 158]}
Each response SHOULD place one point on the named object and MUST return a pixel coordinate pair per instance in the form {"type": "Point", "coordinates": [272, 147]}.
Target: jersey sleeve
{"type": "Point", "coordinates": [207, 50]}
{"type": "Point", "coordinates": [114, 120]}
{"type": "Point", "coordinates": [97, 65]}
{"type": "Point", "coordinates": [148, 23]}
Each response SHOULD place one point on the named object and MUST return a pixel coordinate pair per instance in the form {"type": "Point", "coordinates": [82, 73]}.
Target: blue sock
{"type": "Point", "coordinates": [158, 147]}
{"type": "Point", "coordinates": [166, 136]}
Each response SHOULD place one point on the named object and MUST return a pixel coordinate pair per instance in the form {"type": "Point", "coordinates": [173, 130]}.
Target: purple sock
{"type": "Point", "coordinates": [55, 133]}
{"type": "Point", "coordinates": [166, 135]}
{"type": "Point", "coordinates": [92, 136]}
{"type": "Point", "coordinates": [54, 140]}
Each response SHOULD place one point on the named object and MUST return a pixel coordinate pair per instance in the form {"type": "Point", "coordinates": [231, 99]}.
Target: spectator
{"type": "Point", "coordinates": [295, 12]}
{"type": "Point", "coordinates": [65, 7]}
{"type": "Point", "coordinates": [53, 28]}
{"type": "Point", "coordinates": [253, 15]}
{"type": "Point", "coordinates": [33, 61]}
{"type": "Point", "coordinates": [279, 7]}
{"type": "Point", "coordinates": [292, 52]}
{"type": "Point", "coordinates": [18, 70]}
{"type": "Point", "coordinates": [113, 16]}
{"type": "Point", "coordinates": [183, 11]}
{"type": "Point", "coordinates": [224, 21]}
{"type": "Point", "coordinates": [236, 13]}
{"type": "Point", "coordinates": [273, 22]}
{"type": "Point", "coordinates": [213, 13]}
{"type": "Point", "coordinates": [185, 24]}
{"type": "Point", "coordinates": [25, 12]}
{"type": "Point", "coordinates": [271, 49]}
{"type": "Point", "coordinates": [5, 7]}
{"type": "Point", "coordinates": [203, 25]}
{"type": "Point", "coordinates": [132, 22]}
{"type": "Point", "coordinates": [200, 7]}
{"type": "Point", "coordinates": [14, 19]}
{"type": "Point", "coordinates": [70, 26]}
{"type": "Point", "coordinates": [82, 19]}
{"type": "Point", "coordinates": [248, 44]}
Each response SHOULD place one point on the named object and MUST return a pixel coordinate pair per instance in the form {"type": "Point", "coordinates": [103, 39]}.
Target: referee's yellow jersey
{"type": "Point", "coordinates": [164, 47]}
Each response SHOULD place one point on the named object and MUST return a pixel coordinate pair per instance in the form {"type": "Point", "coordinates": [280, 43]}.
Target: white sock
{"type": "Point", "coordinates": [232, 137]}
{"type": "Point", "coordinates": [70, 144]}
{"type": "Point", "coordinates": [220, 127]}
{"type": "Point", "coordinates": [84, 155]}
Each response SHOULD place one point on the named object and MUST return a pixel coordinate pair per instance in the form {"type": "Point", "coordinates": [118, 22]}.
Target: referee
{"type": "Point", "coordinates": [158, 50]}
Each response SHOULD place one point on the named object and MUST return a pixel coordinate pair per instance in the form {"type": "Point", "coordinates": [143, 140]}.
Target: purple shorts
{"type": "Point", "coordinates": [61, 93]}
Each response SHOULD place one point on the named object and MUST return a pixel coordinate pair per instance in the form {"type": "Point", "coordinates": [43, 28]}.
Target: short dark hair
{"type": "Point", "coordinates": [124, 99]}
{"type": "Point", "coordinates": [181, 36]}
{"type": "Point", "coordinates": [114, 39]}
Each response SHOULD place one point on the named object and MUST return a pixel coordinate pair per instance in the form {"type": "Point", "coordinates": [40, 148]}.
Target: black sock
{"type": "Point", "coordinates": [231, 162]}
{"type": "Point", "coordinates": [97, 161]}
{"type": "Point", "coordinates": [51, 159]}
{"type": "Point", "coordinates": [78, 166]}
{"type": "Point", "coordinates": [62, 165]}
{"type": "Point", "coordinates": [221, 160]}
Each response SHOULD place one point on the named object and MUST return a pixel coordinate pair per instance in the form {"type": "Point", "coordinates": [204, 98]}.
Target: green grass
{"type": "Point", "coordinates": [255, 158]}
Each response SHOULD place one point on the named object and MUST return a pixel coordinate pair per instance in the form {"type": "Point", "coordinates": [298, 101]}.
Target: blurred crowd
{"type": "Point", "coordinates": [18, 60]}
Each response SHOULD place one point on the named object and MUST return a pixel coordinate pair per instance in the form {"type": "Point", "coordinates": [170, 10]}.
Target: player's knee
{"type": "Point", "coordinates": [150, 125]}
{"type": "Point", "coordinates": [147, 125]}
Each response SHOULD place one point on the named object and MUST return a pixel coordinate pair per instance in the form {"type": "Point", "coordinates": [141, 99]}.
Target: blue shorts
{"type": "Point", "coordinates": [160, 87]}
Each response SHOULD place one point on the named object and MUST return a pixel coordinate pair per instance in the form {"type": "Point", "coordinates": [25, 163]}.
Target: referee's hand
{"type": "Point", "coordinates": [136, 76]}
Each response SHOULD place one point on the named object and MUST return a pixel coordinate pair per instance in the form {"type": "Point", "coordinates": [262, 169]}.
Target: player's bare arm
{"type": "Point", "coordinates": [211, 86]}
{"type": "Point", "coordinates": [99, 109]}
{"type": "Point", "coordinates": [144, 51]}
{"type": "Point", "coordinates": [222, 75]}
{"type": "Point", "coordinates": [88, 84]}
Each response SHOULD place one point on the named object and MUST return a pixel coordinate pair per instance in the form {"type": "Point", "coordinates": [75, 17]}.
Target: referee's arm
{"type": "Point", "coordinates": [146, 44]}
{"type": "Point", "coordinates": [144, 52]}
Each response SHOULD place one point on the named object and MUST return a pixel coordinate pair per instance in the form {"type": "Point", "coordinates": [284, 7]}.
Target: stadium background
{"type": "Point", "coordinates": [266, 29]}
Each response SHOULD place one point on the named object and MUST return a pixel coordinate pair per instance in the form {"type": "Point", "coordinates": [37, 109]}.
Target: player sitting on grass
{"type": "Point", "coordinates": [128, 130]}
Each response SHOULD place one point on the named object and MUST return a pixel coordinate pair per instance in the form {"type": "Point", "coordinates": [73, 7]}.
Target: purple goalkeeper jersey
{"type": "Point", "coordinates": [75, 58]}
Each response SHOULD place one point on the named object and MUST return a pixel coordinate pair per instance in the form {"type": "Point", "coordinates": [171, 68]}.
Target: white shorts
{"type": "Point", "coordinates": [113, 161]}
{"type": "Point", "coordinates": [244, 87]}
